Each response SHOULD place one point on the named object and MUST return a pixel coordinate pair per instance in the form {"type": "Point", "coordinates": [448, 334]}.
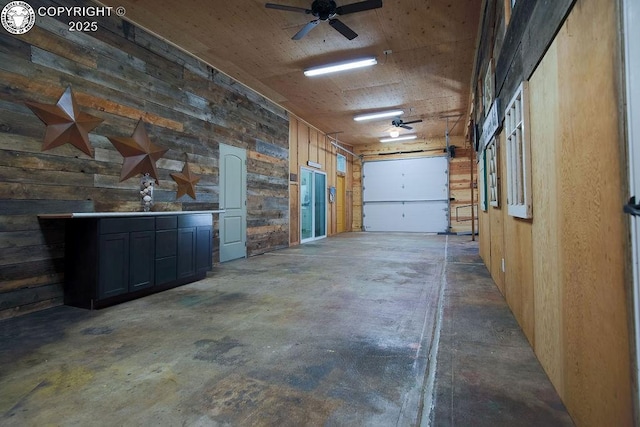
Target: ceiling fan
{"type": "Point", "coordinates": [402, 124]}
{"type": "Point", "coordinates": [326, 10]}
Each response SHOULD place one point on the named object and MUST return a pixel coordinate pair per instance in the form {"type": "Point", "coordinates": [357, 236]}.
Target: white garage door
{"type": "Point", "coordinates": [406, 195]}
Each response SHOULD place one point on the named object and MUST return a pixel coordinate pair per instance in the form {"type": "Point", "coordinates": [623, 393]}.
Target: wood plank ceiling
{"type": "Point", "coordinates": [427, 73]}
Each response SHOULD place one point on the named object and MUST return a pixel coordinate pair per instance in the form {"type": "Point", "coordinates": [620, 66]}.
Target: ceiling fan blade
{"type": "Point", "coordinates": [413, 121]}
{"type": "Point", "coordinates": [343, 29]}
{"type": "Point", "coordinates": [359, 7]}
{"type": "Point", "coordinates": [287, 8]}
{"type": "Point", "coordinates": [406, 127]}
{"type": "Point", "coordinates": [303, 32]}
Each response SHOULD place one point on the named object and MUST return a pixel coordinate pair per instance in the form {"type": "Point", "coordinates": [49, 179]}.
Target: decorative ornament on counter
{"type": "Point", "coordinates": [186, 181]}
{"type": "Point", "coordinates": [146, 192]}
{"type": "Point", "coordinates": [140, 154]}
{"type": "Point", "coordinates": [65, 123]}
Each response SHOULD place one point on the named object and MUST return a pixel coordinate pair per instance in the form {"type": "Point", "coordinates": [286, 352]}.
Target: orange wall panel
{"type": "Point", "coordinates": [579, 234]}
{"type": "Point", "coordinates": [548, 296]}
{"type": "Point", "coordinates": [312, 145]}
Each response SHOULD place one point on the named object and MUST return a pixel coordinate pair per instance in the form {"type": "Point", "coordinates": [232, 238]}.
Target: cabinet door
{"type": "Point", "coordinates": [203, 248]}
{"type": "Point", "coordinates": [141, 259]}
{"type": "Point", "coordinates": [186, 252]}
{"type": "Point", "coordinates": [113, 278]}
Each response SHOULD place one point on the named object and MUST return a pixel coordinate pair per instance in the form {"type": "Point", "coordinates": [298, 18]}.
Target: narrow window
{"type": "Point", "coordinates": [482, 179]}
{"type": "Point", "coordinates": [341, 163]}
{"type": "Point", "coordinates": [492, 173]}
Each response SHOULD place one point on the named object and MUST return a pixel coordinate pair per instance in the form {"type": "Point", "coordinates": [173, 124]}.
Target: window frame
{"type": "Point", "coordinates": [338, 162]}
{"type": "Point", "coordinates": [482, 178]}
{"type": "Point", "coordinates": [518, 153]}
{"type": "Point", "coordinates": [492, 173]}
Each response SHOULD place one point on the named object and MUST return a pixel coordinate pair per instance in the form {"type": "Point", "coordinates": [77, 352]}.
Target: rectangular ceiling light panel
{"type": "Point", "coordinates": [340, 66]}
{"type": "Point", "coordinates": [379, 115]}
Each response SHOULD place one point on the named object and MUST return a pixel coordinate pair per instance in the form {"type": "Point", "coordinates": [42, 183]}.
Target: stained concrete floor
{"type": "Point", "coordinates": [342, 331]}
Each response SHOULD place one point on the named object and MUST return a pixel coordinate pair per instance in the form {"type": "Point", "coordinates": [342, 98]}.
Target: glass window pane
{"type": "Point", "coordinates": [306, 198]}
{"type": "Point", "coordinates": [341, 164]}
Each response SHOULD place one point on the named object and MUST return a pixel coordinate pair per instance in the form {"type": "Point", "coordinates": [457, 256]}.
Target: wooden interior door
{"type": "Point", "coordinates": [233, 199]}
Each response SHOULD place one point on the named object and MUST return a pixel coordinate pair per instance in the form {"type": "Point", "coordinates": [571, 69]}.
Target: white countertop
{"type": "Point", "coordinates": [121, 214]}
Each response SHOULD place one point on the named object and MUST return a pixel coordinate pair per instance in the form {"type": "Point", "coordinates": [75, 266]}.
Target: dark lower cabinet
{"type": "Point", "coordinates": [195, 236]}
{"type": "Point", "coordinates": [142, 260]}
{"type": "Point", "coordinates": [204, 248]}
{"type": "Point", "coordinates": [186, 252]}
{"type": "Point", "coordinates": [113, 265]}
{"type": "Point", "coordinates": [109, 260]}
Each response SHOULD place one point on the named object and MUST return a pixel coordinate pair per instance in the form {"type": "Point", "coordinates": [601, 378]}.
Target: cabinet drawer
{"type": "Point", "coordinates": [166, 222]}
{"type": "Point", "coordinates": [195, 220]}
{"type": "Point", "coordinates": [126, 225]}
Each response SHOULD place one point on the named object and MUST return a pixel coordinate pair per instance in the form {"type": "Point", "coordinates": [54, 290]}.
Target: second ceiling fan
{"type": "Point", "coordinates": [327, 10]}
{"type": "Point", "coordinates": [399, 123]}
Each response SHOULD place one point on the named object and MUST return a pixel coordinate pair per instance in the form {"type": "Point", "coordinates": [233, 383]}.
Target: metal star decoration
{"type": "Point", "coordinates": [65, 123]}
{"type": "Point", "coordinates": [186, 181]}
{"type": "Point", "coordinates": [140, 154]}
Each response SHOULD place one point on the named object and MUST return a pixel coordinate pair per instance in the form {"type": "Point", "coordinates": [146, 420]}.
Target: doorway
{"type": "Point", "coordinates": [313, 205]}
{"type": "Point", "coordinates": [233, 199]}
{"type": "Point", "coordinates": [340, 204]}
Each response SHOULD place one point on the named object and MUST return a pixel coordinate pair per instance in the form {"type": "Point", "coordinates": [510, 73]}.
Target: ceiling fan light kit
{"type": "Point", "coordinates": [340, 66]}
{"type": "Point", "coordinates": [378, 115]}
{"type": "Point", "coordinates": [401, 138]}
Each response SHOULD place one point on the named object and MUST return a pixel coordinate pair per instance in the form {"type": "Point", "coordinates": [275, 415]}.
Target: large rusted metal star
{"type": "Point", "coordinates": [65, 123]}
{"type": "Point", "coordinates": [140, 154]}
{"type": "Point", "coordinates": [186, 181]}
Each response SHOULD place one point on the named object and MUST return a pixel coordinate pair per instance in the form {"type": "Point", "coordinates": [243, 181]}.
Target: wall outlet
{"type": "Point", "coordinates": [503, 269]}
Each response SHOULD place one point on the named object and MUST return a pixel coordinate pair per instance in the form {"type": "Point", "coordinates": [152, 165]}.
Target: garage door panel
{"type": "Point", "coordinates": [424, 217]}
{"type": "Point", "coordinates": [406, 195]}
{"type": "Point", "coordinates": [406, 179]}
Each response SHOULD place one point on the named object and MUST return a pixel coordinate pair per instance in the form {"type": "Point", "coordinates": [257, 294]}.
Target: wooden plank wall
{"type": "Point", "coordinates": [565, 277]}
{"type": "Point", "coordinates": [459, 168]}
{"type": "Point", "coordinates": [309, 144]}
{"type": "Point", "coordinates": [120, 74]}
{"type": "Point", "coordinates": [356, 220]}
{"type": "Point", "coordinates": [461, 184]}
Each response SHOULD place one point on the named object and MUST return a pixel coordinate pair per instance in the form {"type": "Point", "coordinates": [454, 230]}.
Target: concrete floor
{"type": "Point", "coordinates": [343, 331]}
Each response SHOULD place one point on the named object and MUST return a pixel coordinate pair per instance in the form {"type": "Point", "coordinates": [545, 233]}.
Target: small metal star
{"type": "Point", "coordinates": [65, 123]}
{"type": "Point", "coordinates": [140, 154]}
{"type": "Point", "coordinates": [186, 181]}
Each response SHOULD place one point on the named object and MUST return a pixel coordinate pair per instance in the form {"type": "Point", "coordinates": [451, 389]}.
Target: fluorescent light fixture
{"type": "Point", "coordinates": [380, 115]}
{"type": "Point", "coordinates": [340, 66]}
{"type": "Point", "coordinates": [402, 138]}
